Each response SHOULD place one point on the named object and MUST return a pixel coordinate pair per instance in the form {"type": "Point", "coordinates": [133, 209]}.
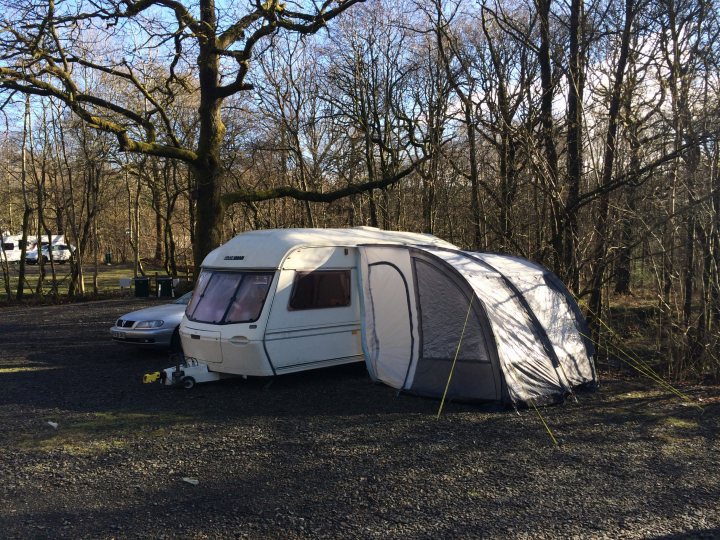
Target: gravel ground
{"type": "Point", "coordinates": [326, 454]}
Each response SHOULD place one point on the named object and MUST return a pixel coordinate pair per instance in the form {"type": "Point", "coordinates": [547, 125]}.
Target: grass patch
{"type": "Point", "coordinates": [637, 395]}
{"type": "Point", "coordinates": [5, 371]}
{"type": "Point", "coordinates": [675, 446]}
{"type": "Point", "coordinates": [108, 279]}
{"type": "Point", "coordinates": [102, 432]}
{"type": "Point", "coordinates": [681, 423]}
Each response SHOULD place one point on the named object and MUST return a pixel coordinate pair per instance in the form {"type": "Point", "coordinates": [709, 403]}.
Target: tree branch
{"type": "Point", "coordinates": [31, 85]}
{"type": "Point", "coordinates": [182, 15]}
{"type": "Point", "coordinates": [257, 195]}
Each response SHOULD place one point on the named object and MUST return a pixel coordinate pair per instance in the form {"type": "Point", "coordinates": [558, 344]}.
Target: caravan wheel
{"type": "Point", "coordinates": [188, 383]}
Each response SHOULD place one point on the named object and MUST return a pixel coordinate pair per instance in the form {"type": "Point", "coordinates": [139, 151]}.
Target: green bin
{"type": "Point", "coordinates": [108, 258]}
{"type": "Point", "coordinates": [142, 287]}
{"type": "Point", "coordinates": [164, 286]}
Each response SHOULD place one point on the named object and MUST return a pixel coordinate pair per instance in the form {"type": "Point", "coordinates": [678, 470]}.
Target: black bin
{"type": "Point", "coordinates": [142, 287]}
{"type": "Point", "coordinates": [164, 286]}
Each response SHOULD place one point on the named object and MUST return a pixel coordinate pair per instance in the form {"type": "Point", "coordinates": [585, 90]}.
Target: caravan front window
{"type": "Point", "coordinates": [228, 297]}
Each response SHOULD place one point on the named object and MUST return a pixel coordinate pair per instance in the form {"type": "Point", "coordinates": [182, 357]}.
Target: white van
{"type": "Point", "coordinates": [11, 247]}
{"type": "Point", "coordinates": [10, 250]}
{"type": "Point", "coordinates": [278, 301]}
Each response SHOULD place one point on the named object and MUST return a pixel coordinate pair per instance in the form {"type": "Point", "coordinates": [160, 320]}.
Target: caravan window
{"type": "Point", "coordinates": [228, 297]}
{"type": "Point", "coordinates": [8, 246]}
{"type": "Point", "coordinates": [320, 289]}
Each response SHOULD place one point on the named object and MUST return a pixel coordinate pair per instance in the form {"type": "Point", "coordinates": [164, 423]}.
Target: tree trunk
{"type": "Point", "coordinates": [27, 210]}
{"type": "Point", "coordinates": [623, 265]}
{"type": "Point", "coordinates": [692, 161]}
{"type": "Point", "coordinates": [547, 130]}
{"type": "Point", "coordinates": [474, 177]}
{"type": "Point", "coordinates": [209, 211]}
{"type": "Point", "coordinates": [574, 149]}
{"type": "Point", "coordinates": [715, 290]}
{"type": "Point", "coordinates": [601, 228]}
{"type": "Point", "coordinates": [156, 206]}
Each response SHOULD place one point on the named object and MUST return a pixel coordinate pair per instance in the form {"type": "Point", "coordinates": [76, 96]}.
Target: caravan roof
{"type": "Point", "coordinates": [268, 248]}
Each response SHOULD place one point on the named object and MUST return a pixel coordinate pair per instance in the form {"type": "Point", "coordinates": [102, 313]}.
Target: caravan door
{"type": "Point", "coordinates": [315, 317]}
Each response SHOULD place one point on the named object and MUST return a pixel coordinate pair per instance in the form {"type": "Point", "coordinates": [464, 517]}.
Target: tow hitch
{"type": "Point", "coordinates": [186, 373]}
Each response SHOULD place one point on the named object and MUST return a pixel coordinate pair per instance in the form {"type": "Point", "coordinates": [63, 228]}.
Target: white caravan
{"type": "Point", "coordinates": [426, 317]}
{"type": "Point", "coordinates": [11, 250]}
{"type": "Point", "coordinates": [278, 301]}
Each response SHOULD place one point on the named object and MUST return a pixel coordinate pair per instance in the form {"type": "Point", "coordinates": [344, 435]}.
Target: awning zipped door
{"type": "Point", "coordinates": [390, 334]}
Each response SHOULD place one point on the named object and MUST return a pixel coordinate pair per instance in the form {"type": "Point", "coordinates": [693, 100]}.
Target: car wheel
{"type": "Point", "coordinates": [175, 343]}
{"type": "Point", "coordinates": [188, 383]}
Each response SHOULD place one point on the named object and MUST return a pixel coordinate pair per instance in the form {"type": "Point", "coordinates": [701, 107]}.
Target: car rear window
{"type": "Point", "coordinates": [228, 297]}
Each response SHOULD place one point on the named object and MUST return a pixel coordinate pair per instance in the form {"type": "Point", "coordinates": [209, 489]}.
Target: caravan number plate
{"type": "Point", "coordinates": [117, 334]}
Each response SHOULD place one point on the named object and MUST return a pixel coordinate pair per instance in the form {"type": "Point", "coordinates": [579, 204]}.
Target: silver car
{"type": "Point", "coordinates": [155, 327]}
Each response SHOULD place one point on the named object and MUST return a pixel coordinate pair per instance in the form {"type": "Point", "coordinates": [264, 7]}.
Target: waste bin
{"type": "Point", "coordinates": [164, 286]}
{"type": "Point", "coordinates": [142, 287]}
{"type": "Point", "coordinates": [108, 258]}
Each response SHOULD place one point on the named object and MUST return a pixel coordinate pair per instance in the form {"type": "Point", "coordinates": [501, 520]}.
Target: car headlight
{"type": "Point", "coordinates": [149, 324]}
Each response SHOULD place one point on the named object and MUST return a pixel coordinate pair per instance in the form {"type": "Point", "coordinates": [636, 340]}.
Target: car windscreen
{"type": "Point", "coordinates": [184, 299]}
{"type": "Point", "coordinates": [228, 297]}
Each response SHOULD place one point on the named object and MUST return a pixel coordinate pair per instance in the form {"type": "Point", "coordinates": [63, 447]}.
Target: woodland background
{"type": "Point", "coordinates": [581, 135]}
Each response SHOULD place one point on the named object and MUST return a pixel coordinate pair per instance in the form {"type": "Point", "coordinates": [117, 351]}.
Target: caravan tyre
{"type": "Point", "coordinates": [188, 383]}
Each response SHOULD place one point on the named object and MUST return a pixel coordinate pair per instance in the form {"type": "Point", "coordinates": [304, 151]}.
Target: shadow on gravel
{"type": "Point", "coordinates": [710, 533]}
{"type": "Point", "coordinates": [325, 453]}
{"type": "Point", "coordinates": [417, 479]}
{"type": "Point", "coordinates": [65, 360]}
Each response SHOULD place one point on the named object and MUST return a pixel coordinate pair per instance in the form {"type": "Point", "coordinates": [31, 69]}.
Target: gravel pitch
{"type": "Point", "coordinates": [327, 454]}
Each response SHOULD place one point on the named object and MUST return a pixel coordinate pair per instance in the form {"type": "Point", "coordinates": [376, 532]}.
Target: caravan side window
{"type": "Point", "coordinates": [320, 289]}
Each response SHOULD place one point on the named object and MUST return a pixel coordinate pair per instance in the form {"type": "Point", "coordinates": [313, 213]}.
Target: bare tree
{"type": "Point", "coordinates": [631, 9]}
{"type": "Point", "coordinates": [45, 46]}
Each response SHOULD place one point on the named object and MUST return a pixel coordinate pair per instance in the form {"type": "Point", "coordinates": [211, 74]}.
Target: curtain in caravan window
{"type": "Point", "coordinates": [320, 289]}
{"type": "Point", "coordinates": [213, 303]}
{"type": "Point", "coordinates": [249, 298]}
